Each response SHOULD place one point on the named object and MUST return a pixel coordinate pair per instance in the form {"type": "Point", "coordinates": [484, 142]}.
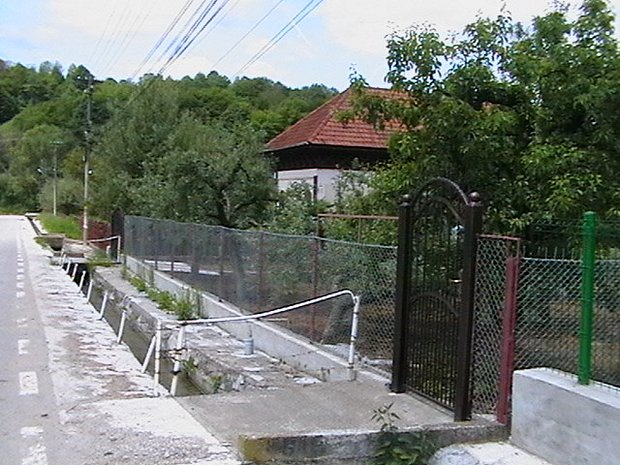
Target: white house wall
{"type": "Point", "coordinates": [325, 181]}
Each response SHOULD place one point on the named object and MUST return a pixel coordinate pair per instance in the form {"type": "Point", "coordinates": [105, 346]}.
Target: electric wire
{"type": "Point", "coordinates": [127, 40]}
{"type": "Point", "coordinates": [236, 44]}
{"type": "Point", "coordinates": [163, 37]}
{"type": "Point", "coordinates": [217, 23]}
{"type": "Point", "coordinates": [180, 34]}
{"type": "Point", "coordinates": [305, 11]}
{"type": "Point", "coordinates": [105, 31]}
{"type": "Point", "coordinates": [194, 33]}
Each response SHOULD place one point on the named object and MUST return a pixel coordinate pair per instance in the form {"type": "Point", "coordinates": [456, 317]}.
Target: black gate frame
{"type": "Point", "coordinates": [472, 223]}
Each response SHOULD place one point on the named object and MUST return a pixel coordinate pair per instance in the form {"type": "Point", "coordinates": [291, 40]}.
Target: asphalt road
{"type": "Point", "coordinates": [69, 394]}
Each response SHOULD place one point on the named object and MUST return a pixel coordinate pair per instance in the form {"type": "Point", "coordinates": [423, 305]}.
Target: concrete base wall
{"type": "Point", "coordinates": [564, 422]}
{"type": "Point", "coordinates": [273, 340]}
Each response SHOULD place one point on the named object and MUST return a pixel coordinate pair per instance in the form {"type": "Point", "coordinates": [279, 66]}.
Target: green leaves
{"type": "Point", "coordinates": [525, 114]}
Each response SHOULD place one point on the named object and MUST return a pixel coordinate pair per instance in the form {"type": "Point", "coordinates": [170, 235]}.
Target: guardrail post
{"type": "Point", "coordinates": [588, 263]}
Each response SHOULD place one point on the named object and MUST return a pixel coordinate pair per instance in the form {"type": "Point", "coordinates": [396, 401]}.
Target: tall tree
{"type": "Point", "coordinates": [526, 114]}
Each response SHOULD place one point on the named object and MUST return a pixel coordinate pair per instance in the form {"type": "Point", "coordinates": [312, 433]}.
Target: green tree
{"type": "Point", "coordinates": [522, 113]}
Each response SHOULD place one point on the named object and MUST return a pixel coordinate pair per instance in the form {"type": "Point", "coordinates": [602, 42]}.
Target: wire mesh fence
{"type": "Point", "coordinates": [257, 271]}
{"type": "Point", "coordinates": [550, 300]}
{"type": "Point", "coordinates": [493, 255]}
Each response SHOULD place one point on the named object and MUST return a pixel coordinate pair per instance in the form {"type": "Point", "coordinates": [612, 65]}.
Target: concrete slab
{"type": "Point", "coordinates": [493, 453]}
{"type": "Point", "coordinates": [304, 409]}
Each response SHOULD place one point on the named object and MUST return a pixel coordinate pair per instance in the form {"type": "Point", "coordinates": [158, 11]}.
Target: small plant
{"type": "Point", "coordinates": [124, 272]}
{"type": "Point", "coordinates": [397, 448]}
{"type": "Point", "coordinates": [99, 260]}
{"type": "Point", "coordinates": [190, 365]}
{"type": "Point", "coordinates": [138, 283]}
{"type": "Point", "coordinates": [216, 383]}
{"type": "Point", "coordinates": [184, 309]}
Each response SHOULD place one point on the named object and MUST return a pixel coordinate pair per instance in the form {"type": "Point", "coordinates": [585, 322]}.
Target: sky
{"type": "Point", "coordinates": [113, 38]}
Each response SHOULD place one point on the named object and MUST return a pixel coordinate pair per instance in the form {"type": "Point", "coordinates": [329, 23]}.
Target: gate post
{"type": "Point", "coordinates": [403, 292]}
{"type": "Point", "coordinates": [473, 224]}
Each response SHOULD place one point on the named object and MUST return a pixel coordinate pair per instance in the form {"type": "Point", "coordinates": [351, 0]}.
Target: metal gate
{"type": "Point", "coordinates": [438, 228]}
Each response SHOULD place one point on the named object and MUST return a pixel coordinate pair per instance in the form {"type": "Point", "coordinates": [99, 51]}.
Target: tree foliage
{"type": "Point", "coordinates": [525, 114]}
{"type": "Point", "coordinates": [186, 149]}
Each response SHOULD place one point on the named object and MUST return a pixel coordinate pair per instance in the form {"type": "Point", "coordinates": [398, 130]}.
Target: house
{"type": "Point", "coordinates": [317, 148]}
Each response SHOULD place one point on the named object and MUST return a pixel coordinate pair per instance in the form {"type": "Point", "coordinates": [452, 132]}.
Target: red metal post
{"type": "Point", "coordinates": [508, 339]}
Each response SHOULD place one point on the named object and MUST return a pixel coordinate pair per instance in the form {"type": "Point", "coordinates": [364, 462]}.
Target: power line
{"type": "Point", "coordinates": [305, 11]}
{"type": "Point", "coordinates": [217, 23]}
{"type": "Point", "coordinates": [258, 23]}
{"type": "Point", "coordinates": [193, 33]}
{"type": "Point", "coordinates": [164, 36]}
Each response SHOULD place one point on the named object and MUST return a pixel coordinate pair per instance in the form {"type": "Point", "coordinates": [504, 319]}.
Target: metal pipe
{"type": "Point", "coordinates": [587, 297]}
{"type": "Point", "coordinates": [157, 356]}
{"type": "Point", "coordinates": [121, 327]}
{"type": "Point", "coordinates": [82, 279]}
{"type": "Point", "coordinates": [149, 353]}
{"type": "Point", "coordinates": [267, 314]}
{"type": "Point", "coordinates": [74, 270]}
{"type": "Point", "coordinates": [176, 368]}
{"type": "Point", "coordinates": [103, 304]}
{"type": "Point", "coordinates": [354, 328]}
{"type": "Point", "coordinates": [90, 290]}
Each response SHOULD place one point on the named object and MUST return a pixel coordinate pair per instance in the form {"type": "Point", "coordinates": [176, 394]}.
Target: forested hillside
{"type": "Point", "coordinates": [186, 149]}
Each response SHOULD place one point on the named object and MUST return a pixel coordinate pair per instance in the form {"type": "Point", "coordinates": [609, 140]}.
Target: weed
{"type": "Point", "coordinates": [216, 383]}
{"type": "Point", "coordinates": [396, 448]}
{"type": "Point", "coordinates": [190, 366]}
{"type": "Point", "coordinates": [184, 309]}
{"type": "Point", "coordinates": [138, 283]}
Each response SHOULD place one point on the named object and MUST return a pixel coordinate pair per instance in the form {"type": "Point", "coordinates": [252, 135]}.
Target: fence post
{"type": "Point", "coordinates": [403, 292]}
{"type": "Point", "coordinates": [473, 224]}
{"type": "Point", "coordinates": [587, 296]}
{"type": "Point", "coordinates": [509, 318]}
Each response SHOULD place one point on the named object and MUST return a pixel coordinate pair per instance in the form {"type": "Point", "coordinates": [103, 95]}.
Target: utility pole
{"type": "Point", "coordinates": [88, 134]}
{"type": "Point", "coordinates": [55, 143]}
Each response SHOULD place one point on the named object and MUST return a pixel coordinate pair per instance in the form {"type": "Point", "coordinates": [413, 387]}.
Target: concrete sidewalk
{"type": "Point", "coordinates": [273, 413]}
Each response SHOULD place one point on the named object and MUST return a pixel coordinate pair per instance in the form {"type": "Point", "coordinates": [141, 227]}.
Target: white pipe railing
{"type": "Point", "coordinates": [118, 240]}
{"type": "Point", "coordinates": [182, 324]}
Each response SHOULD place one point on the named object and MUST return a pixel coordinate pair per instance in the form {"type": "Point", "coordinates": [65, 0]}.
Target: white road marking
{"type": "Point", "coordinates": [20, 275]}
{"type": "Point", "coordinates": [36, 453]}
{"type": "Point", "coordinates": [20, 285]}
{"type": "Point", "coordinates": [28, 383]}
{"type": "Point", "coordinates": [22, 322]}
{"type": "Point", "coordinates": [20, 294]}
{"type": "Point", "coordinates": [22, 346]}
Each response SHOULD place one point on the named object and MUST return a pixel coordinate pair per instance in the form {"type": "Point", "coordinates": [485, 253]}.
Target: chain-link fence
{"type": "Point", "coordinates": [492, 281]}
{"type": "Point", "coordinates": [551, 297]}
{"type": "Point", "coordinates": [257, 271]}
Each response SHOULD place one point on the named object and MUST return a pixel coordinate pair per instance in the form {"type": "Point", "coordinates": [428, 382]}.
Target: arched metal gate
{"type": "Point", "coordinates": [438, 228]}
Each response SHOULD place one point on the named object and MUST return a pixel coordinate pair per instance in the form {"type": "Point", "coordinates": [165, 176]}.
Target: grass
{"type": "Point", "coordinates": [61, 224]}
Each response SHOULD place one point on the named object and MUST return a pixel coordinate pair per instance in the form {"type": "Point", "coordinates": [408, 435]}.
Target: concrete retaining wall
{"type": "Point", "coordinates": [275, 341]}
{"type": "Point", "coordinates": [564, 422]}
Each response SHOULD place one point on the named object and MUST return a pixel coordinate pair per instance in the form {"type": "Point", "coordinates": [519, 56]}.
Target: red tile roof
{"type": "Point", "coordinates": [321, 127]}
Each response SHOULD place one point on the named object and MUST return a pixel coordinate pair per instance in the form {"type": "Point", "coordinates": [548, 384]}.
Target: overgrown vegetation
{"type": "Point", "coordinates": [61, 224]}
{"type": "Point", "coordinates": [524, 114]}
{"type": "Point", "coordinates": [185, 308]}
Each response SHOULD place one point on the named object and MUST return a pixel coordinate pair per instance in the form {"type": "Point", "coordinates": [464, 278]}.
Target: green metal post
{"type": "Point", "coordinates": [587, 296]}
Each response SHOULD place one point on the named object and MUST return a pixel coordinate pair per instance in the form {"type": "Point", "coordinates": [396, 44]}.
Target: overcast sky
{"type": "Point", "coordinates": [112, 38]}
